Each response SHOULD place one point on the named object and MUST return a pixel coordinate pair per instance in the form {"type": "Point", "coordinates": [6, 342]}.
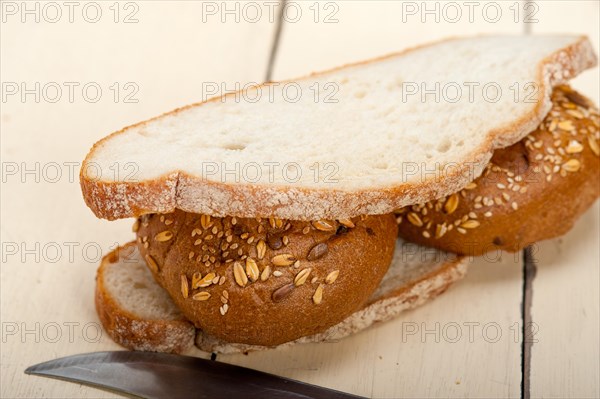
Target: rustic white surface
{"type": "Point", "coordinates": [169, 54]}
{"type": "Point", "coordinates": [566, 352]}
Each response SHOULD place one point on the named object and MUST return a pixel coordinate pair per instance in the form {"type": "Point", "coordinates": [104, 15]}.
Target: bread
{"type": "Point", "coordinates": [134, 310]}
{"type": "Point", "coordinates": [416, 275]}
{"type": "Point", "coordinates": [531, 191]}
{"type": "Point", "coordinates": [374, 150]}
{"type": "Point", "coordinates": [268, 281]}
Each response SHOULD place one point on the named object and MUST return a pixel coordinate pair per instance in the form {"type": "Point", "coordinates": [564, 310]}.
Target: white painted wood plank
{"type": "Point", "coordinates": [371, 28]}
{"type": "Point", "coordinates": [566, 352]}
{"type": "Point", "coordinates": [566, 303]}
{"type": "Point", "coordinates": [168, 54]}
{"type": "Point", "coordinates": [376, 363]}
{"type": "Point", "coordinates": [390, 361]}
{"type": "Point", "coordinates": [580, 17]}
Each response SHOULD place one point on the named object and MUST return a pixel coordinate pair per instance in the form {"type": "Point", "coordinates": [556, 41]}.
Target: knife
{"type": "Point", "coordinates": [160, 375]}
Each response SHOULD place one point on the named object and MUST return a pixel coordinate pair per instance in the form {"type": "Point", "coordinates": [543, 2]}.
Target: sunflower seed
{"type": "Point", "coordinates": [240, 276]}
{"type": "Point", "coordinates": [317, 251]}
{"type": "Point", "coordinates": [252, 269]}
{"type": "Point", "coordinates": [318, 295]}
{"type": "Point", "coordinates": [275, 242]}
{"type": "Point", "coordinates": [136, 226]}
{"type": "Point", "coordinates": [302, 276]}
{"type": "Point", "coordinates": [283, 260]}
{"type": "Point", "coordinates": [282, 292]}
{"type": "Point", "coordinates": [151, 263]}
{"type": "Point", "coordinates": [163, 236]}
{"type": "Point", "coordinates": [331, 277]}
{"type": "Point", "coordinates": [266, 273]}
{"type": "Point", "coordinates": [277, 273]}
{"type": "Point", "coordinates": [184, 286]}
{"type": "Point", "coordinates": [201, 296]}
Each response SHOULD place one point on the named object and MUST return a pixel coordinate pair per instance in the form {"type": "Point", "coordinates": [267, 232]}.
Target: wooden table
{"type": "Point", "coordinates": [149, 57]}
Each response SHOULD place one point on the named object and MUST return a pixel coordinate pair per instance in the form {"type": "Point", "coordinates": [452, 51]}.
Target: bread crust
{"type": "Point", "coordinates": [398, 293]}
{"type": "Point", "coordinates": [178, 190]}
{"type": "Point", "coordinates": [241, 280]}
{"type": "Point", "coordinates": [134, 332]}
{"type": "Point", "coordinates": [531, 191]}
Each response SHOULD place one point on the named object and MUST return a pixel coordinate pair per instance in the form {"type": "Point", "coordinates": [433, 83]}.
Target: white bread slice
{"type": "Point", "coordinates": [377, 151]}
{"type": "Point", "coordinates": [416, 275]}
{"type": "Point", "coordinates": [135, 311]}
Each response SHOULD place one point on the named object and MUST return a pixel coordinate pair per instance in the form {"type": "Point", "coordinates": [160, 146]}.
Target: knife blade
{"type": "Point", "coordinates": [160, 375]}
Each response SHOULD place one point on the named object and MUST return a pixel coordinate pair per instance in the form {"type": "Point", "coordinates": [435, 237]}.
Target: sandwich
{"type": "Point", "coordinates": [286, 220]}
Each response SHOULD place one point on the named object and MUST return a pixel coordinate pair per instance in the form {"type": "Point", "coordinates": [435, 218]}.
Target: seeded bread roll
{"type": "Point", "coordinates": [531, 191]}
{"type": "Point", "coordinates": [266, 281]}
